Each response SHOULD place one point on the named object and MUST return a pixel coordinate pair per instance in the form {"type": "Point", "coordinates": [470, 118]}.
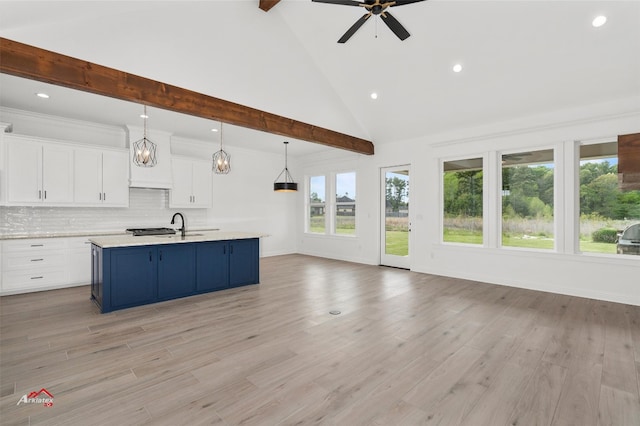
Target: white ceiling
{"type": "Point", "coordinates": [519, 58]}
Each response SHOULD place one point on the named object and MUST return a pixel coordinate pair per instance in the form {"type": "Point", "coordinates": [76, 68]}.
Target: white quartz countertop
{"type": "Point", "coordinates": [110, 241]}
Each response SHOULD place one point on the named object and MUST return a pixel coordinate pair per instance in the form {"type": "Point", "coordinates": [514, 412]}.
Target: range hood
{"type": "Point", "coordinates": [158, 176]}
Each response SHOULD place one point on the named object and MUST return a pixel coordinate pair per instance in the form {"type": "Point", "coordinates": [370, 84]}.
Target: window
{"type": "Point", "coordinates": [337, 216]}
{"type": "Point", "coordinates": [527, 199]}
{"type": "Point", "coordinates": [317, 205]}
{"type": "Point", "coordinates": [462, 201]}
{"type": "Point", "coordinates": [345, 208]}
{"type": "Point", "coordinates": [605, 210]}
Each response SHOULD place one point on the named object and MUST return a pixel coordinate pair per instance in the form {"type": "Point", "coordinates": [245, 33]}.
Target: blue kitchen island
{"type": "Point", "coordinates": [128, 271]}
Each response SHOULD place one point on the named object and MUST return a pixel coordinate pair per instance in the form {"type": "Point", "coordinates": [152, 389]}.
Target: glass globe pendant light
{"type": "Point", "coordinates": [287, 184]}
{"type": "Point", "coordinates": [221, 160]}
{"type": "Point", "coordinates": [144, 151]}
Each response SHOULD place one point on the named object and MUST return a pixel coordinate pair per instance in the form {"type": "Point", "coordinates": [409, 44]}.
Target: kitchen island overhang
{"type": "Point", "coordinates": [128, 271]}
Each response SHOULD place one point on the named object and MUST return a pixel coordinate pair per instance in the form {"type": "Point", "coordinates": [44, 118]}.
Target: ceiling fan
{"type": "Point", "coordinates": [374, 7]}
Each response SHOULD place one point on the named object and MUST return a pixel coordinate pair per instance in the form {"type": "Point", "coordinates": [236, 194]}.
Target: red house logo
{"type": "Point", "coordinates": [42, 396]}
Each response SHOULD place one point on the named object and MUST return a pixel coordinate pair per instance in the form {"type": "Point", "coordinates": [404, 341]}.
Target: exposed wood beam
{"type": "Point", "coordinates": [38, 64]}
{"type": "Point", "coordinates": [267, 4]}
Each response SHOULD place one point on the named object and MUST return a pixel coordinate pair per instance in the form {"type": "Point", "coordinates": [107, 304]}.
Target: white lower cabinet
{"type": "Point", "coordinates": [78, 261]}
{"type": "Point", "coordinates": [44, 263]}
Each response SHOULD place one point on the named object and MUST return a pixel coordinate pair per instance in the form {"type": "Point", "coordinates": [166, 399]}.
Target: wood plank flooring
{"type": "Point", "coordinates": [407, 349]}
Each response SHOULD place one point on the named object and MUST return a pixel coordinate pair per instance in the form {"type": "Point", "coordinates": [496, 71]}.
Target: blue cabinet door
{"type": "Point", "coordinates": [244, 262]}
{"type": "Point", "coordinates": [212, 266]}
{"type": "Point", "coordinates": [132, 276]}
{"type": "Point", "coordinates": [176, 270]}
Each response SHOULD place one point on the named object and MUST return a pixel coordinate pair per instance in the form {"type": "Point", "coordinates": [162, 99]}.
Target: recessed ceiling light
{"type": "Point", "coordinates": [42, 95]}
{"type": "Point", "coordinates": [374, 95]}
{"type": "Point", "coordinates": [144, 116]}
{"type": "Point", "coordinates": [457, 68]}
{"type": "Point", "coordinates": [599, 21]}
{"type": "Point", "coordinates": [214, 130]}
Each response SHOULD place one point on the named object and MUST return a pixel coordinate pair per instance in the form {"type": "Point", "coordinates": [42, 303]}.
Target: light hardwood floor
{"type": "Point", "coordinates": [407, 349]}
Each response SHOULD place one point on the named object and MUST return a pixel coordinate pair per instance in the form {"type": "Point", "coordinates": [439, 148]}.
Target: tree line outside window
{"type": "Point", "coordinates": [527, 197]}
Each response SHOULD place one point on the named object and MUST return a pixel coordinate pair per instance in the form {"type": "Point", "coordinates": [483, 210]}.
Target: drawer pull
{"type": "Point", "coordinates": [37, 260]}
{"type": "Point", "coordinates": [37, 245]}
{"type": "Point", "coordinates": [37, 278]}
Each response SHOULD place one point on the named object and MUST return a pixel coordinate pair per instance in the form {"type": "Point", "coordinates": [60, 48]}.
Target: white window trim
{"type": "Point", "coordinates": [558, 197]}
{"type": "Point", "coordinates": [330, 204]}
{"type": "Point", "coordinates": [485, 198]}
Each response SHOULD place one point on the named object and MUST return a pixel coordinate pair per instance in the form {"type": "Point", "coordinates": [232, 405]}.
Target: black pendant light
{"type": "Point", "coordinates": [286, 185]}
{"type": "Point", "coordinates": [144, 151]}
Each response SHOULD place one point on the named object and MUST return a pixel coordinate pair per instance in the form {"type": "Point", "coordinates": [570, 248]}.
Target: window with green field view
{"type": "Point", "coordinates": [396, 221]}
{"type": "Point", "coordinates": [317, 205]}
{"type": "Point", "coordinates": [605, 210]}
{"type": "Point", "coordinates": [462, 201]}
{"type": "Point", "coordinates": [527, 199]}
{"type": "Point", "coordinates": [345, 208]}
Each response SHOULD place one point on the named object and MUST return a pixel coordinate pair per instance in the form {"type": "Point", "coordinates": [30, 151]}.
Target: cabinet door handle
{"type": "Point", "coordinates": [37, 278]}
{"type": "Point", "coordinates": [100, 196]}
{"type": "Point", "coordinates": [104, 196]}
{"type": "Point", "coordinates": [160, 255]}
{"type": "Point", "coordinates": [224, 249]}
{"type": "Point", "coordinates": [39, 194]}
{"type": "Point", "coordinates": [37, 260]}
{"type": "Point", "coordinates": [194, 198]}
{"type": "Point", "coordinates": [45, 194]}
{"type": "Point", "coordinates": [150, 260]}
{"type": "Point", "coordinates": [37, 245]}
{"type": "Point", "coordinates": [231, 249]}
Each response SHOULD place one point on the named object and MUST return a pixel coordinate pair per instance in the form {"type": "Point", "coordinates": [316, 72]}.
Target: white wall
{"type": "Point", "coordinates": [614, 278]}
{"type": "Point", "coordinates": [242, 200]}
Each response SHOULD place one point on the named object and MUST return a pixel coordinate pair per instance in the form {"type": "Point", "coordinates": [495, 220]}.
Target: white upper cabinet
{"type": "Point", "coordinates": [101, 177]}
{"type": "Point", "coordinates": [87, 166]}
{"type": "Point", "coordinates": [115, 174]}
{"type": "Point", "coordinates": [38, 172]}
{"type": "Point", "coordinates": [192, 183]}
{"type": "Point", "coordinates": [202, 184]}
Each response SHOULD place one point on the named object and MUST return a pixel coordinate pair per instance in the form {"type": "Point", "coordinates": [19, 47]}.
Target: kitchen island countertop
{"type": "Point", "coordinates": [110, 241]}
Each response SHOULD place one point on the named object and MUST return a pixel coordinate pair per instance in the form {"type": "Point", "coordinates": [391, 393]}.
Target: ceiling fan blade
{"type": "Point", "coordinates": [351, 31]}
{"type": "Point", "coordinates": [403, 2]}
{"type": "Point", "coordinates": [343, 2]}
{"type": "Point", "coordinates": [394, 25]}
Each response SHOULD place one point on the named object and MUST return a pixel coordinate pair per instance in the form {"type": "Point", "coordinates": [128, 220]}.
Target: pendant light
{"type": "Point", "coordinates": [287, 185]}
{"type": "Point", "coordinates": [221, 160]}
{"type": "Point", "coordinates": [144, 151]}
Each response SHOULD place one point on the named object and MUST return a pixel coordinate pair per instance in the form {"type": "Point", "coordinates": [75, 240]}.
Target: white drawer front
{"type": "Point", "coordinates": [34, 244]}
{"type": "Point", "coordinates": [21, 280]}
{"type": "Point", "coordinates": [79, 243]}
{"type": "Point", "coordinates": [36, 260]}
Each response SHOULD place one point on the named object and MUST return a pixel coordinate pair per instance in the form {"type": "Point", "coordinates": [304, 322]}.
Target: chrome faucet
{"type": "Point", "coordinates": [173, 220]}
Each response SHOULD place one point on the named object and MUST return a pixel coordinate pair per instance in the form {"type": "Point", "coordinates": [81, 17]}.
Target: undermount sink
{"type": "Point", "coordinates": [176, 236]}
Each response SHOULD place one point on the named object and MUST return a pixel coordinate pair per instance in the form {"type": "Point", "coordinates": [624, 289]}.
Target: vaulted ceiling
{"type": "Point", "coordinates": [518, 58]}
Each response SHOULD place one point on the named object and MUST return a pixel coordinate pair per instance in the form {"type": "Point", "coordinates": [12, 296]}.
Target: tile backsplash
{"type": "Point", "coordinates": [147, 208]}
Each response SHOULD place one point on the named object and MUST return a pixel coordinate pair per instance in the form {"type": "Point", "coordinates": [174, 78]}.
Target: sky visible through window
{"type": "Point", "coordinates": [345, 184]}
